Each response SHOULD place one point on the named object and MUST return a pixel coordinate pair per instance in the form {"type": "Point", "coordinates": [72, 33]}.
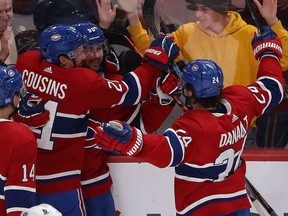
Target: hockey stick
{"type": "Point", "coordinates": [148, 14]}
{"type": "Point", "coordinates": [260, 198]}
{"type": "Point", "coordinates": [254, 15]}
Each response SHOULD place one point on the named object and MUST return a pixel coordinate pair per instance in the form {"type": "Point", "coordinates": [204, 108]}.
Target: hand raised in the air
{"type": "Point", "coordinates": [119, 137]}
{"type": "Point", "coordinates": [268, 10]}
{"type": "Point", "coordinates": [162, 50]}
{"type": "Point", "coordinates": [106, 13]}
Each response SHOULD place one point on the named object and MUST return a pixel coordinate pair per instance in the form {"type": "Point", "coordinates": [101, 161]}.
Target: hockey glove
{"type": "Point", "coordinates": [161, 51]}
{"type": "Point", "coordinates": [111, 62]}
{"type": "Point", "coordinates": [266, 44]}
{"type": "Point", "coordinates": [167, 85]}
{"type": "Point", "coordinates": [119, 137]}
{"type": "Point", "coordinates": [32, 112]}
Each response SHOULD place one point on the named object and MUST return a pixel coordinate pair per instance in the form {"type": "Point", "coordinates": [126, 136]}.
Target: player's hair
{"type": "Point", "coordinates": [11, 84]}
{"type": "Point", "coordinates": [205, 102]}
{"type": "Point", "coordinates": [205, 79]}
{"type": "Point", "coordinates": [59, 40]}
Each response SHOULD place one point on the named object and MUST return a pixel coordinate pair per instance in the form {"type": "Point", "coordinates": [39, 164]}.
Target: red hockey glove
{"type": "Point", "coordinates": [167, 85]}
{"type": "Point", "coordinates": [266, 44]}
{"type": "Point", "coordinates": [161, 51]}
{"type": "Point", "coordinates": [32, 112]}
{"type": "Point", "coordinates": [119, 137]}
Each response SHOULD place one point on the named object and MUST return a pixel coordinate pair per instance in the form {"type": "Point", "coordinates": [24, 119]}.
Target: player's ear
{"type": "Point", "coordinates": [16, 100]}
{"type": "Point", "coordinates": [64, 61]}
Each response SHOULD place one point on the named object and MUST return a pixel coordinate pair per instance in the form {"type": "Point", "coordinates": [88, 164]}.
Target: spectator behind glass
{"type": "Point", "coordinates": [8, 51]}
{"type": "Point", "coordinates": [18, 149]}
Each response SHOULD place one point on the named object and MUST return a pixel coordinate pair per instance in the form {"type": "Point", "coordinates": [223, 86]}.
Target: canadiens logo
{"type": "Point", "coordinates": [11, 73]}
{"type": "Point", "coordinates": [55, 37]}
{"type": "Point", "coordinates": [194, 67]}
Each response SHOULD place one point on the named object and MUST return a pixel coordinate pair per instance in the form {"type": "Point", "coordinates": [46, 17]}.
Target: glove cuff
{"type": "Point", "coordinates": [138, 143]}
{"type": "Point", "coordinates": [33, 121]}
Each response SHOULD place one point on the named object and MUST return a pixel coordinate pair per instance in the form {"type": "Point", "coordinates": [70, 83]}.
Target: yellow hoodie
{"type": "Point", "coordinates": [231, 49]}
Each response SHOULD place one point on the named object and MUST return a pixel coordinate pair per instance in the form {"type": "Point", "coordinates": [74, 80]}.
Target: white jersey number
{"type": "Point", "coordinates": [260, 97]}
{"type": "Point", "coordinates": [44, 141]}
{"type": "Point", "coordinates": [226, 157]}
{"type": "Point", "coordinates": [28, 173]}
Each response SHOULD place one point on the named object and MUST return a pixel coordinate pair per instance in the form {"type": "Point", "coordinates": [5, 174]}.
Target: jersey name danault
{"type": "Point", "coordinates": [44, 84]}
{"type": "Point", "coordinates": [234, 135]}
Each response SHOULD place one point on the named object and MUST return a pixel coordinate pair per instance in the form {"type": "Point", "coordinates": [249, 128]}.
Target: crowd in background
{"type": "Point", "coordinates": [28, 19]}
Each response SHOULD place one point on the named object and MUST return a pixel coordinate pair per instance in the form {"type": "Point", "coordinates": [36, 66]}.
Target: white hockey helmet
{"type": "Point", "coordinates": [41, 210]}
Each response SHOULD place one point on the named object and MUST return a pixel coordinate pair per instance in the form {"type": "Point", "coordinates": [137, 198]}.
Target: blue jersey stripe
{"type": "Point", "coordinates": [19, 198]}
{"type": "Point", "coordinates": [134, 91]}
{"type": "Point", "coordinates": [64, 125]}
{"type": "Point", "coordinates": [177, 147]}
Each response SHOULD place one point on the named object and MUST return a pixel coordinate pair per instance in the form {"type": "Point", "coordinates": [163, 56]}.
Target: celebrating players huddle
{"type": "Point", "coordinates": [75, 114]}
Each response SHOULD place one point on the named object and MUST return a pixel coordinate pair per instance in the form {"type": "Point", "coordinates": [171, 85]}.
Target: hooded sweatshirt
{"type": "Point", "coordinates": [231, 49]}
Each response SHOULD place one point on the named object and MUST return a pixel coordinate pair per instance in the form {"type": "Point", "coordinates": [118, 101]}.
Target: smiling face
{"type": "Point", "coordinates": [210, 19]}
{"type": "Point", "coordinates": [94, 57]}
{"type": "Point", "coordinates": [6, 14]}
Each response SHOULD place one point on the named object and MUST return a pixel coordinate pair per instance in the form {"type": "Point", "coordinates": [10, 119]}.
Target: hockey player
{"type": "Point", "coordinates": [18, 149]}
{"type": "Point", "coordinates": [205, 144]}
{"type": "Point", "coordinates": [69, 93]}
{"type": "Point", "coordinates": [95, 177]}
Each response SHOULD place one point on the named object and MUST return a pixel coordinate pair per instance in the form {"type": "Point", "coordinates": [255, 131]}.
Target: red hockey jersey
{"type": "Point", "coordinates": [17, 168]}
{"type": "Point", "coordinates": [205, 147]}
{"type": "Point", "coordinates": [69, 94]}
{"type": "Point", "coordinates": [148, 116]}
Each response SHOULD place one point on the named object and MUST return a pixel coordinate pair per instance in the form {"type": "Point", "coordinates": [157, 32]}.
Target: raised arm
{"type": "Point", "coordinates": [268, 10]}
{"type": "Point", "coordinates": [106, 13]}
{"type": "Point", "coordinates": [138, 34]}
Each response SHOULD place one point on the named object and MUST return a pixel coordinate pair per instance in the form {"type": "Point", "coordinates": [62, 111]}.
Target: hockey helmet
{"type": "Point", "coordinates": [93, 34]}
{"type": "Point", "coordinates": [41, 210]}
{"type": "Point", "coordinates": [50, 12]}
{"type": "Point", "coordinates": [57, 40]}
{"type": "Point", "coordinates": [10, 84]}
{"type": "Point", "coordinates": [205, 77]}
